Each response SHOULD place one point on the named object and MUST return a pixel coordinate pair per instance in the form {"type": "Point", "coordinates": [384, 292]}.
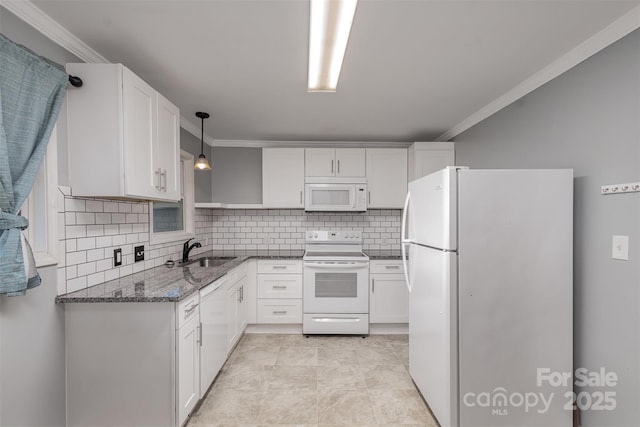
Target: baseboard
{"type": "Point", "coordinates": [374, 329]}
{"type": "Point", "coordinates": [388, 328]}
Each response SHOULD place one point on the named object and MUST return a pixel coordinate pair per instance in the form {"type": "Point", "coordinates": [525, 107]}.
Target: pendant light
{"type": "Point", "coordinates": [202, 164]}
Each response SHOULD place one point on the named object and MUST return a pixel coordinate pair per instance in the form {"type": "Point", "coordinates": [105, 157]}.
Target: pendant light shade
{"type": "Point", "coordinates": [202, 164]}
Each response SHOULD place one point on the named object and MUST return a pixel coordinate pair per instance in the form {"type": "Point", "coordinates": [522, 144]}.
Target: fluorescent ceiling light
{"type": "Point", "coordinates": [329, 33]}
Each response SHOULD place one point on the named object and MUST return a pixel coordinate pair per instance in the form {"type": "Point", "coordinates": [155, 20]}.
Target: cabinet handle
{"type": "Point", "coordinates": [163, 174]}
{"type": "Point", "coordinates": [301, 197]}
{"type": "Point", "coordinates": [332, 166]}
{"type": "Point", "coordinates": [279, 267]}
{"type": "Point", "coordinates": [369, 196]}
{"type": "Point", "coordinates": [200, 334]}
{"type": "Point", "coordinates": [157, 186]}
{"type": "Point", "coordinates": [338, 166]}
{"type": "Point", "coordinates": [189, 310]}
{"type": "Point", "coordinates": [373, 285]}
{"type": "Point", "coordinates": [279, 313]}
{"type": "Point", "coordinates": [242, 293]}
{"type": "Point", "coordinates": [392, 267]}
{"type": "Point", "coordinates": [279, 287]}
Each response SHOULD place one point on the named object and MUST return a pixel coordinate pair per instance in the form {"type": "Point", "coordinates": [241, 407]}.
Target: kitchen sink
{"type": "Point", "coordinates": [212, 261]}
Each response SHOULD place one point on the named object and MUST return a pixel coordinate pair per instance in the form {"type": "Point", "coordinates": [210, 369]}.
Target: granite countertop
{"type": "Point", "coordinates": [375, 254]}
{"type": "Point", "coordinates": [169, 284]}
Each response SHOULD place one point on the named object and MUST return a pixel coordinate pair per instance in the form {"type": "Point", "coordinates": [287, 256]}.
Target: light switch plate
{"type": "Point", "coordinates": [620, 248]}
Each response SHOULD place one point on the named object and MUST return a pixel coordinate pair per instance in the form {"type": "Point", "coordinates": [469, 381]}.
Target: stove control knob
{"type": "Point", "coordinates": [315, 235]}
{"type": "Point", "coordinates": [310, 235]}
{"type": "Point", "coordinates": [357, 236]}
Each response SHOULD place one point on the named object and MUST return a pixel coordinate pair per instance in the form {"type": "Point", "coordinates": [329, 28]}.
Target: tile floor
{"type": "Point", "coordinates": [316, 381]}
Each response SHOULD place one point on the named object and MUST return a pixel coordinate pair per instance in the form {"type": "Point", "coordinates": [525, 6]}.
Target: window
{"type": "Point", "coordinates": [40, 208]}
{"type": "Point", "coordinates": [171, 221]}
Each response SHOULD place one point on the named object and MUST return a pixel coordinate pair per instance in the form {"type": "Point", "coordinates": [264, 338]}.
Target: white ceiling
{"type": "Point", "coordinates": [413, 69]}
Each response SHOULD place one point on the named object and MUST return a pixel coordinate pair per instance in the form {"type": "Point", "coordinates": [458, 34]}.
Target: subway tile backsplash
{"type": "Point", "coordinates": [284, 229]}
{"type": "Point", "coordinates": [93, 228]}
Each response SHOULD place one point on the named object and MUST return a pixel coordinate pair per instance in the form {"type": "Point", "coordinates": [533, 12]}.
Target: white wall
{"type": "Point", "coordinates": [587, 119]}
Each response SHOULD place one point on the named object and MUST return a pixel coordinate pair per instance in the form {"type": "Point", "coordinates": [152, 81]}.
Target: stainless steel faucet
{"type": "Point", "coordinates": [186, 249]}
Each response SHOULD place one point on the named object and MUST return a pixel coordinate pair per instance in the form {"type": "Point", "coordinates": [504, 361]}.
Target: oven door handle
{"type": "Point", "coordinates": [354, 266]}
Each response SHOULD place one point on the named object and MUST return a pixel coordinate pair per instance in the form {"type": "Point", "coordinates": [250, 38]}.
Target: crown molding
{"type": "Point", "coordinates": [307, 144]}
{"type": "Point", "coordinates": [42, 22]}
{"type": "Point", "coordinates": [607, 36]}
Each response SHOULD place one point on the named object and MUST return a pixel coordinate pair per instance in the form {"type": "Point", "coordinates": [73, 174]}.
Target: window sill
{"type": "Point", "coordinates": [44, 259]}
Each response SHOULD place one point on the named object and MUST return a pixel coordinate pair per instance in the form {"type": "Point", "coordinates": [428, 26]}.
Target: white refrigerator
{"type": "Point", "coordinates": [489, 271]}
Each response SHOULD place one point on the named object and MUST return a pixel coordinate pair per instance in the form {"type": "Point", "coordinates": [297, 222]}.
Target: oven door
{"type": "Point", "coordinates": [336, 287]}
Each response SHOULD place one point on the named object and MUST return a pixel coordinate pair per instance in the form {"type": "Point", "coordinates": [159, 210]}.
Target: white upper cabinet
{"type": "Point", "coordinates": [386, 177]}
{"type": "Point", "coordinates": [283, 177]}
{"type": "Point", "coordinates": [342, 162]}
{"type": "Point", "coordinates": [169, 148]}
{"type": "Point", "coordinates": [123, 136]}
{"type": "Point", "coordinates": [428, 157]}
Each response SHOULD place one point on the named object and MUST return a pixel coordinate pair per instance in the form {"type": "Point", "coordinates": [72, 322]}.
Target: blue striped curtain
{"type": "Point", "coordinates": [31, 93]}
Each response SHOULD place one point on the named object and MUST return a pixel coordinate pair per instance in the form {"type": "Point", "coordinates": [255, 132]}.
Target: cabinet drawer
{"type": "Point", "coordinates": [187, 309]}
{"type": "Point", "coordinates": [391, 266]}
{"type": "Point", "coordinates": [279, 311]}
{"type": "Point", "coordinates": [279, 286]}
{"type": "Point", "coordinates": [282, 266]}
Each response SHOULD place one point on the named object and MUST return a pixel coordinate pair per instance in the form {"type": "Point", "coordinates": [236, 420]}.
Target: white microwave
{"type": "Point", "coordinates": [335, 194]}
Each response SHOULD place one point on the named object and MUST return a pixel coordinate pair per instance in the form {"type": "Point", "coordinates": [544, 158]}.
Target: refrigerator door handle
{"type": "Point", "coordinates": [404, 241]}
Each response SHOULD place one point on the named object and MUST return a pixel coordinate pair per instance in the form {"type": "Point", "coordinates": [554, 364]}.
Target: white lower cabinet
{"type": "Point", "coordinates": [213, 332]}
{"type": "Point", "coordinates": [388, 294]}
{"type": "Point", "coordinates": [280, 311]}
{"type": "Point", "coordinates": [188, 367]}
{"type": "Point", "coordinates": [279, 292]}
{"type": "Point", "coordinates": [149, 363]}
{"type": "Point", "coordinates": [236, 308]}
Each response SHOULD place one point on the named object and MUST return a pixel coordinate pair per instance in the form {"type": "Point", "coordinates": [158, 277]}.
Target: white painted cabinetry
{"type": "Point", "coordinates": [236, 305]}
{"type": "Point", "coordinates": [428, 157]}
{"type": "Point", "coordinates": [188, 347]}
{"type": "Point", "coordinates": [279, 292]}
{"type": "Point", "coordinates": [213, 332]}
{"type": "Point", "coordinates": [389, 297]}
{"type": "Point", "coordinates": [341, 162]}
{"type": "Point", "coordinates": [386, 177]}
{"type": "Point", "coordinates": [123, 136]}
{"type": "Point", "coordinates": [283, 177]}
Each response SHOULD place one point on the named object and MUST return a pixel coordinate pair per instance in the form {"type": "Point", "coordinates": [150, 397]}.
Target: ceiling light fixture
{"type": "Point", "coordinates": [328, 36]}
{"type": "Point", "coordinates": [202, 164]}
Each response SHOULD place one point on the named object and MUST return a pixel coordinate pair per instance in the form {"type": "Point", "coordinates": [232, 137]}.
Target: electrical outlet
{"type": "Point", "coordinates": [117, 257]}
{"type": "Point", "coordinates": [138, 253]}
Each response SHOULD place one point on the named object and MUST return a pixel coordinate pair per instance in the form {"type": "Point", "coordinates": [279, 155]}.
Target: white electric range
{"type": "Point", "coordinates": [336, 283]}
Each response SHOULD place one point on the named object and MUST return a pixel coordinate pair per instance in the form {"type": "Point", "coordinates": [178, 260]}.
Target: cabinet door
{"type": "Point", "coordinates": [139, 121]}
{"type": "Point", "coordinates": [168, 149]}
{"type": "Point", "coordinates": [350, 162]}
{"type": "Point", "coordinates": [283, 177]}
{"type": "Point", "coordinates": [319, 162]}
{"type": "Point", "coordinates": [389, 299]}
{"type": "Point", "coordinates": [188, 368]}
{"type": "Point", "coordinates": [242, 308]}
{"type": "Point", "coordinates": [386, 177]}
{"type": "Point", "coordinates": [233, 310]}
{"type": "Point", "coordinates": [431, 161]}
{"type": "Point", "coordinates": [213, 346]}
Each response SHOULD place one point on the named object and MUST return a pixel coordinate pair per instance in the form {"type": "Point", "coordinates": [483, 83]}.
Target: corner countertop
{"type": "Point", "coordinates": [169, 284]}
